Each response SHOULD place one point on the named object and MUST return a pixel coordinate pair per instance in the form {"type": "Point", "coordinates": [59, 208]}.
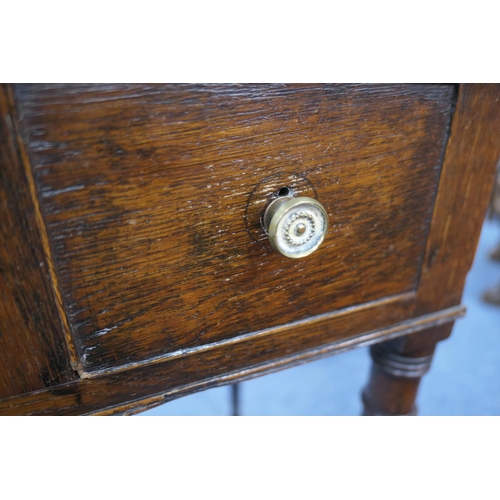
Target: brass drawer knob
{"type": "Point", "coordinates": [296, 226]}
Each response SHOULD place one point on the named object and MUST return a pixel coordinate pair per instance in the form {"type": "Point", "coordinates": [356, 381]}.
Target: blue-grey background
{"type": "Point", "coordinates": [464, 378]}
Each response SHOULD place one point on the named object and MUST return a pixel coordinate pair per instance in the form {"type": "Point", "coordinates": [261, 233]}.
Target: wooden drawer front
{"type": "Point", "coordinates": [147, 191]}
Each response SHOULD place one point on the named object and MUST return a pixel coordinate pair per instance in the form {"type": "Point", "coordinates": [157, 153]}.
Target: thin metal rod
{"type": "Point", "coordinates": [235, 399]}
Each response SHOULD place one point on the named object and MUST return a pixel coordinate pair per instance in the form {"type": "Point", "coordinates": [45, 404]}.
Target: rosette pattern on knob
{"type": "Point", "coordinates": [296, 226]}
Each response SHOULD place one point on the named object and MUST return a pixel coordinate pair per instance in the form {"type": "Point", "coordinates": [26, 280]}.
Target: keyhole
{"type": "Point", "coordinates": [285, 191]}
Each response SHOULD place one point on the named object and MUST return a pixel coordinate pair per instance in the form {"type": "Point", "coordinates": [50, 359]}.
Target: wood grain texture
{"type": "Point", "coordinates": [106, 155]}
{"type": "Point", "coordinates": [145, 191]}
{"type": "Point", "coordinates": [33, 353]}
{"type": "Point", "coordinates": [472, 154]}
{"type": "Point", "coordinates": [134, 390]}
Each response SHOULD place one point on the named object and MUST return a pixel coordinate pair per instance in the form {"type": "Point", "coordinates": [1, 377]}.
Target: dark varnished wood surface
{"type": "Point", "coordinates": [419, 312]}
{"type": "Point", "coordinates": [33, 353]}
{"type": "Point", "coordinates": [472, 153]}
{"type": "Point", "coordinates": [155, 383]}
{"type": "Point", "coordinates": [144, 190]}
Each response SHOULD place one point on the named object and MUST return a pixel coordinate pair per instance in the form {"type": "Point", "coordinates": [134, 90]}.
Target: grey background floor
{"type": "Point", "coordinates": [464, 378]}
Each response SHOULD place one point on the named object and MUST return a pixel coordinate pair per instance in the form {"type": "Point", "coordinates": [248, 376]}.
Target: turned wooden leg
{"type": "Point", "coordinates": [398, 366]}
{"type": "Point", "coordinates": [394, 381]}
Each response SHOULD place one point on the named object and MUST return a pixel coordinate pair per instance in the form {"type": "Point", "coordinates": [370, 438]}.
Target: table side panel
{"type": "Point", "coordinates": [33, 351]}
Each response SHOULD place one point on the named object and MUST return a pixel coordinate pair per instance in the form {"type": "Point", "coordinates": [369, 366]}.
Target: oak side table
{"type": "Point", "coordinates": [158, 240]}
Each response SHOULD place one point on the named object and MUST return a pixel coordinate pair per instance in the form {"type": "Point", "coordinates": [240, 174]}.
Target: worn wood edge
{"type": "Point", "coordinates": [481, 115]}
{"type": "Point", "coordinates": [399, 330]}
{"type": "Point", "coordinates": [249, 336]}
{"type": "Point", "coordinates": [454, 101]}
{"type": "Point", "coordinates": [74, 359]}
{"type": "Point", "coordinates": [55, 400]}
